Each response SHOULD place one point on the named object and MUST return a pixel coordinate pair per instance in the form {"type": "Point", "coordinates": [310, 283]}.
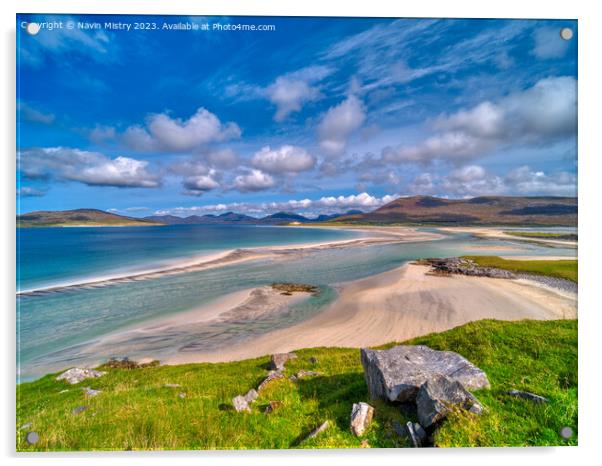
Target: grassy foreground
{"type": "Point", "coordinates": [566, 269]}
{"type": "Point", "coordinates": [136, 411]}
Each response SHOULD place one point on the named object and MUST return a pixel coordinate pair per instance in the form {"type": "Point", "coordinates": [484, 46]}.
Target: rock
{"type": "Point", "coordinates": [32, 438]}
{"type": "Point", "coordinates": [279, 360]}
{"type": "Point", "coordinates": [313, 360]}
{"type": "Point", "coordinates": [272, 406]}
{"type": "Point", "coordinates": [318, 430]}
{"type": "Point", "coordinates": [396, 374]}
{"type": "Point", "coordinates": [414, 438]}
{"type": "Point", "coordinates": [272, 375]}
{"type": "Point", "coordinates": [171, 385]}
{"type": "Point", "coordinates": [251, 396]}
{"type": "Point", "coordinates": [528, 396]}
{"type": "Point", "coordinates": [439, 395]}
{"type": "Point", "coordinates": [303, 373]}
{"type": "Point", "coordinates": [293, 378]}
{"type": "Point", "coordinates": [182, 395]}
{"type": "Point", "coordinates": [25, 426]}
{"type": "Point", "coordinates": [76, 375]}
{"type": "Point", "coordinates": [462, 266]}
{"type": "Point", "coordinates": [79, 409]}
{"type": "Point", "coordinates": [91, 392]}
{"type": "Point", "coordinates": [240, 404]}
{"type": "Point", "coordinates": [361, 417]}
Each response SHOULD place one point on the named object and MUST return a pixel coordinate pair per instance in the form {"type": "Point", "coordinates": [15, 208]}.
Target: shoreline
{"type": "Point", "coordinates": [400, 304]}
{"type": "Point", "coordinates": [499, 233]}
{"type": "Point", "coordinates": [381, 235]}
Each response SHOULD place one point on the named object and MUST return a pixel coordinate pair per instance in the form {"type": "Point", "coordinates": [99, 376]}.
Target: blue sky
{"type": "Point", "coordinates": [316, 115]}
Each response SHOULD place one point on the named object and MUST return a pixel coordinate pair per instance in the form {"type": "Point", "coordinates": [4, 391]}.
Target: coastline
{"type": "Point", "coordinates": [401, 304]}
{"type": "Point", "coordinates": [499, 233]}
{"type": "Point", "coordinates": [377, 235]}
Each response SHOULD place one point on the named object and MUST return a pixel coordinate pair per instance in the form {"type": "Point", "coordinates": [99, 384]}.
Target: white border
{"type": "Point", "coordinates": [590, 200]}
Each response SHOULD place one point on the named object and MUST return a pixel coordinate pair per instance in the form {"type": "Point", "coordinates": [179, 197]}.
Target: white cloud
{"type": "Point", "coordinates": [524, 180]}
{"type": "Point", "coordinates": [549, 44]}
{"type": "Point", "coordinates": [91, 168]}
{"type": "Point", "coordinates": [285, 159]}
{"type": "Point", "coordinates": [28, 191]}
{"type": "Point", "coordinates": [162, 132]}
{"type": "Point", "coordinates": [254, 180]}
{"type": "Point", "coordinates": [544, 113]}
{"type": "Point", "coordinates": [200, 184]}
{"type": "Point", "coordinates": [472, 180]}
{"type": "Point", "coordinates": [289, 95]}
{"type": "Point", "coordinates": [28, 113]}
{"type": "Point", "coordinates": [339, 123]}
{"type": "Point", "coordinates": [309, 207]}
{"type": "Point", "coordinates": [100, 134]}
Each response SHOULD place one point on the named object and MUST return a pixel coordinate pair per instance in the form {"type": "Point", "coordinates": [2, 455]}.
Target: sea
{"type": "Point", "coordinates": [59, 314]}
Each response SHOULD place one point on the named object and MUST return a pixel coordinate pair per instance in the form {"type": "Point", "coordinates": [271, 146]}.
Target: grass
{"type": "Point", "coordinates": [543, 235]}
{"type": "Point", "coordinates": [135, 411]}
{"type": "Point", "coordinates": [566, 269]}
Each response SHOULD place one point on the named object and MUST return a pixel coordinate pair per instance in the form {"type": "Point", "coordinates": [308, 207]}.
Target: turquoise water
{"type": "Point", "coordinates": [54, 327]}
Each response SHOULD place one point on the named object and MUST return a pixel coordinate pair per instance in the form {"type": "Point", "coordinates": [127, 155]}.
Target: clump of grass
{"type": "Point", "coordinates": [566, 269]}
{"type": "Point", "coordinates": [142, 408]}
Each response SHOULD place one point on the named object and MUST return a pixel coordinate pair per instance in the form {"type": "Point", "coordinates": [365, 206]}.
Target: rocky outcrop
{"type": "Point", "coordinates": [278, 360]}
{"type": "Point", "coordinates": [398, 373]}
{"type": "Point", "coordinates": [91, 392]}
{"type": "Point", "coordinates": [272, 375]}
{"type": "Point", "coordinates": [361, 417]}
{"type": "Point", "coordinates": [459, 265]}
{"type": "Point", "coordinates": [416, 434]}
{"type": "Point", "coordinates": [243, 402]}
{"type": "Point", "coordinates": [76, 375]}
{"type": "Point", "coordinates": [318, 430]}
{"type": "Point", "coordinates": [528, 396]}
{"type": "Point", "coordinates": [440, 395]}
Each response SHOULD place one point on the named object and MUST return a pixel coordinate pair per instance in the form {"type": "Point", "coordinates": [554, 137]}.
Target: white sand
{"type": "Point", "coordinates": [401, 304]}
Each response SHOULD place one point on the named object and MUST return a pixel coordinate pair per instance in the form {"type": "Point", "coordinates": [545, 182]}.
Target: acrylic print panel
{"type": "Point", "coordinates": [278, 232]}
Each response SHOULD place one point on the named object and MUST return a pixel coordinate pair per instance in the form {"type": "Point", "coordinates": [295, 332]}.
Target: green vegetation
{"type": "Point", "coordinates": [136, 410]}
{"type": "Point", "coordinates": [543, 235]}
{"type": "Point", "coordinates": [79, 217]}
{"type": "Point", "coordinates": [566, 269]}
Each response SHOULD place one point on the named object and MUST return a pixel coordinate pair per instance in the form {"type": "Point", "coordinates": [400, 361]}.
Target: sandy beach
{"type": "Point", "coordinates": [497, 233]}
{"type": "Point", "coordinates": [403, 303]}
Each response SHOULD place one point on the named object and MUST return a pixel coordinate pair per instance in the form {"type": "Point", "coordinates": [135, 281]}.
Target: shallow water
{"type": "Point", "coordinates": [56, 329]}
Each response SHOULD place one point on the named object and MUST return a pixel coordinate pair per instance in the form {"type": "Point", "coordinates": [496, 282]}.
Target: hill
{"type": "Point", "coordinates": [186, 407]}
{"type": "Point", "coordinates": [488, 210]}
{"type": "Point", "coordinates": [78, 217]}
{"type": "Point", "coordinates": [279, 218]}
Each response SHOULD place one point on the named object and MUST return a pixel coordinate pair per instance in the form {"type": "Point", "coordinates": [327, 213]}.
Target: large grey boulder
{"type": "Point", "coordinates": [76, 375]}
{"type": "Point", "coordinates": [440, 395]}
{"type": "Point", "coordinates": [396, 374]}
{"type": "Point", "coordinates": [361, 417]}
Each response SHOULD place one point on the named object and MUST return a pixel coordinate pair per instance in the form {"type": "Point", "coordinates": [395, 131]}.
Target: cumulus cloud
{"type": "Point", "coordinates": [28, 113]}
{"type": "Point", "coordinates": [549, 44]}
{"type": "Point", "coordinates": [101, 134]}
{"type": "Point", "coordinates": [310, 207]}
{"type": "Point", "coordinates": [28, 191]}
{"type": "Point", "coordinates": [200, 184]}
{"type": "Point", "coordinates": [285, 159]}
{"type": "Point", "coordinates": [91, 168]}
{"type": "Point", "coordinates": [544, 113]}
{"type": "Point", "coordinates": [162, 132]}
{"type": "Point", "coordinates": [254, 180]}
{"type": "Point", "coordinates": [339, 123]}
{"type": "Point", "coordinates": [475, 180]}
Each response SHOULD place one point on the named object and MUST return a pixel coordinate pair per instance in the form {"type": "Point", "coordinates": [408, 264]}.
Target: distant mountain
{"type": "Point", "coordinates": [486, 210]}
{"type": "Point", "coordinates": [78, 217]}
{"type": "Point", "coordinates": [227, 218]}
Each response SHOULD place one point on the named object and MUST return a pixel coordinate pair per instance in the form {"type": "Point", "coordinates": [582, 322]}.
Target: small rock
{"type": "Point", "coordinates": [313, 360]}
{"type": "Point", "coordinates": [25, 426]}
{"type": "Point", "coordinates": [396, 374]}
{"type": "Point", "coordinates": [76, 375]}
{"type": "Point", "coordinates": [171, 385]}
{"type": "Point", "coordinates": [528, 396]}
{"type": "Point", "coordinates": [240, 404]}
{"type": "Point", "coordinates": [182, 395]}
{"type": "Point", "coordinates": [416, 442]}
{"type": "Point", "coordinates": [91, 392]}
{"type": "Point", "coordinates": [439, 395]}
{"type": "Point", "coordinates": [251, 396]}
{"type": "Point", "coordinates": [361, 417]}
{"type": "Point", "coordinates": [279, 360]}
{"type": "Point", "coordinates": [272, 375]}
{"type": "Point", "coordinates": [32, 438]}
{"type": "Point", "coordinates": [318, 430]}
{"type": "Point", "coordinates": [79, 409]}
{"type": "Point", "coordinates": [293, 378]}
{"type": "Point", "coordinates": [272, 406]}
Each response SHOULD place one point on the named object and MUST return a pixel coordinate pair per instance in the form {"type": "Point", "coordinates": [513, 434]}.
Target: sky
{"type": "Point", "coordinates": [310, 115]}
